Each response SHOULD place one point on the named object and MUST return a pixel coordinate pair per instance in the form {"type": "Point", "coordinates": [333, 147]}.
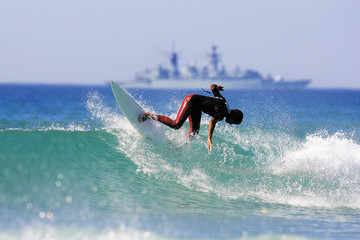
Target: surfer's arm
{"type": "Point", "coordinates": [212, 125]}
{"type": "Point", "coordinates": [215, 89]}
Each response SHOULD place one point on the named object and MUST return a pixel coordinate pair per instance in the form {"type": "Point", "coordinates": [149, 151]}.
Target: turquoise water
{"type": "Point", "coordinates": [72, 167]}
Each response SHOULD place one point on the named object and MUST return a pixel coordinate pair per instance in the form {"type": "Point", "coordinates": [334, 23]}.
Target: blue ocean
{"type": "Point", "coordinates": [73, 167]}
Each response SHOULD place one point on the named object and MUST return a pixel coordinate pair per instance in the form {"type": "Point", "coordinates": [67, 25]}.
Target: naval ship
{"type": "Point", "coordinates": [195, 77]}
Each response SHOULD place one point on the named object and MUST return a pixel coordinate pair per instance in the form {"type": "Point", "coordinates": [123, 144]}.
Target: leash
{"type": "Point", "coordinates": [206, 91]}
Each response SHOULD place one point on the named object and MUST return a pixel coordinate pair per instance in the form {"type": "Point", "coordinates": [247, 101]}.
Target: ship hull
{"type": "Point", "coordinates": [300, 84]}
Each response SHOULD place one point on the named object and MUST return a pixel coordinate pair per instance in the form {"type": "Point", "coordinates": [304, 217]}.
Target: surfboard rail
{"type": "Point", "coordinates": [133, 110]}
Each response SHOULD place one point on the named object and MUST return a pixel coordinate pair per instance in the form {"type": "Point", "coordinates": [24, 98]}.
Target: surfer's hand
{"type": "Point", "coordinates": [209, 144]}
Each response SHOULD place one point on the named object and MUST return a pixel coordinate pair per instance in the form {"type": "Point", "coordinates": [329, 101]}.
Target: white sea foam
{"type": "Point", "coordinates": [324, 170]}
{"type": "Point", "coordinates": [336, 155]}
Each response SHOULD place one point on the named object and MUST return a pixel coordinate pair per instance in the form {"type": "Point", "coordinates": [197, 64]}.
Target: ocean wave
{"type": "Point", "coordinates": [252, 164]}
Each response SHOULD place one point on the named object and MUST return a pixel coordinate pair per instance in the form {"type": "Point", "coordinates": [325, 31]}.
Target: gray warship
{"type": "Point", "coordinates": [195, 77]}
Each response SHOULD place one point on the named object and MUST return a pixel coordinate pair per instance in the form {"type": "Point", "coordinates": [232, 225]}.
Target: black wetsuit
{"type": "Point", "coordinates": [192, 107]}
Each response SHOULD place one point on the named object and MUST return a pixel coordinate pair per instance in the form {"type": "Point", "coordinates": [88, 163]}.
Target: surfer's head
{"type": "Point", "coordinates": [234, 117]}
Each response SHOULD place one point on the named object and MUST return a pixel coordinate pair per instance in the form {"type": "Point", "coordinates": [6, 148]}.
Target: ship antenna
{"type": "Point", "coordinates": [174, 62]}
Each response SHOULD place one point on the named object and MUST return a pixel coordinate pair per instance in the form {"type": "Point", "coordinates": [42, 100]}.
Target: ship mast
{"type": "Point", "coordinates": [174, 62]}
{"type": "Point", "coordinates": [214, 59]}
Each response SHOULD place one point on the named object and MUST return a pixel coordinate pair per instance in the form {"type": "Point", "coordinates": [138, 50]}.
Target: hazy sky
{"type": "Point", "coordinates": [88, 41]}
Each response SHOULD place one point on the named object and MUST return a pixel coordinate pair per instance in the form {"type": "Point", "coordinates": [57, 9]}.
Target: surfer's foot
{"type": "Point", "coordinates": [143, 117]}
{"type": "Point", "coordinates": [146, 116]}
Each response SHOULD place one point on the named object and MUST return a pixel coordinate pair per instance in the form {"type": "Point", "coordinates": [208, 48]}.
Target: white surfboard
{"type": "Point", "coordinates": [132, 110]}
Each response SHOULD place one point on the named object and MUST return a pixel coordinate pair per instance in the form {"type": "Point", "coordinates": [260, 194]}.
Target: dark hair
{"type": "Point", "coordinates": [236, 115]}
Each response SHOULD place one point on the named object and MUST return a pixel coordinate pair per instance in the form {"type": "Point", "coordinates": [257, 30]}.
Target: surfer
{"type": "Point", "coordinates": [192, 107]}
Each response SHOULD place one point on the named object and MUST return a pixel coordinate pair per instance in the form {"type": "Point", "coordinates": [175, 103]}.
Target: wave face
{"type": "Point", "coordinates": [70, 160]}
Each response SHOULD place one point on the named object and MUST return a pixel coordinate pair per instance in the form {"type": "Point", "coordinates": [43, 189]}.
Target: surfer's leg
{"type": "Point", "coordinates": [182, 115]}
{"type": "Point", "coordinates": [194, 121]}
